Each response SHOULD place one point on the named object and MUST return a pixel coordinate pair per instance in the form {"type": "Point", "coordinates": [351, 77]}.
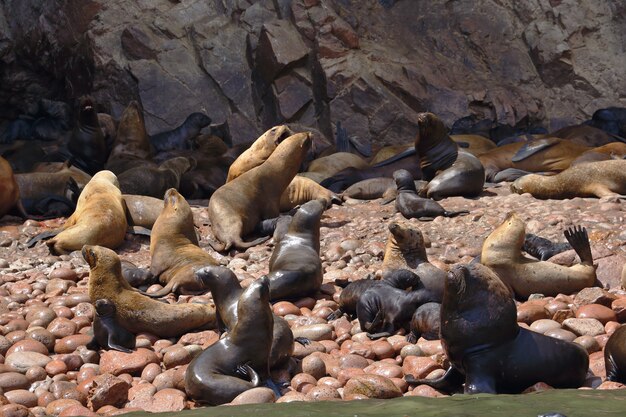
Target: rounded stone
{"type": "Point", "coordinates": [371, 386]}
{"type": "Point", "coordinates": [259, 395]}
{"type": "Point", "coordinates": [10, 381]}
{"type": "Point", "coordinates": [62, 327]}
{"type": "Point", "coordinates": [314, 331]}
{"type": "Point", "coordinates": [21, 361]}
{"type": "Point", "coordinates": [22, 397]}
{"type": "Point", "coordinates": [590, 343]}
{"type": "Point", "coordinates": [596, 311]}
{"type": "Point", "coordinates": [561, 334]}
{"type": "Point", "coordinates": [322, 393]}
{"type": "Point", "coordinates": [282, 308]}
{"type": "Point", "coordinates": [543, 325]}
{"type": "Point", "coordinates": [314, 366]}
{"type": "Point", "coordinates": [27, 345]}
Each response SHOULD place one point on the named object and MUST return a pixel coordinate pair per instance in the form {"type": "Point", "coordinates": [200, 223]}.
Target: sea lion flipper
{"type": "Point", "coordinates": [241, 244]}
{"type": "Point", "coordinates": [304, 341]}
{"type": "Point", "coordinates": [375, 336]}
{"type": "Point", "coordinates": [43, 236]}
{"type": "Point", "coordinates": [509, 174]}
{"type": "Point", "coordinates": [455, 213]}
{"type": "Point", "coordinates": [578, 238]}
{"type": "Point", "coordinates": [115, 346]}
{"type": "Point", "coordinates": [170, 287]}
{"type": "Point", "coordinates": [362, 146]}
{"type": "Point", "coordinates": [272, 385]}
{"type": "Point", "coordinates": [139, 230]}
{"type": "Point", "coordinates": [396, 157]}
{"type": "Point", "coordinates": [531, 148]}
{"type": "Point", "coordinates": [387, 200]}
{"type": "Point", "coordinates": [245, 371]}
{"type": "Point", "coordinates": [450, 382]}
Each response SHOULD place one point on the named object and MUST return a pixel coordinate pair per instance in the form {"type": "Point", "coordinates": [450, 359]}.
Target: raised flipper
{"type": "Point", "coordinates": [342, 142]}
{"type": "Point", "coordinates": [578, 238]}
{"type": "Point", "coordinates": [530, 148]}
{"type": "Point", "coordinates": [246, 372]}
{"type": "Point", "coordinates": [509, 174]}
{"type": "Point", "coordinates": [43, 236]}
{"type": "Point", "coordinates": [450, 382]}
{"type": "Point", "coordinates": [542, 248]}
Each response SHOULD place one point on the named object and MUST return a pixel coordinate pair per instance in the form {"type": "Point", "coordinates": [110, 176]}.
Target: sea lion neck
{"type": "Point", "coordinates": [407, 252]}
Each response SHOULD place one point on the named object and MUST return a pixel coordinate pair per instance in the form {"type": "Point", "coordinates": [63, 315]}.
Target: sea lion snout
{"type": "Point", "coordinates": [105, 307]}
{"type": "Point", "coordinates": [455, 279]}
{"type": "Point", "coordinates": [89, 255]}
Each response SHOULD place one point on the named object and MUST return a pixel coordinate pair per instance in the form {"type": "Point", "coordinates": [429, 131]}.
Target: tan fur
{"type": "Point", "coordinates": [478, 145]}
{"type": "Point", "coordinates": [614, 150]}
{"type": "Point", "coordinates": [332, 164]}
{"type": "Point", "coordinates": [135, 311]}
{"type": "Point", "coordinates": [99, 218]}
{"type": "Point", "coordinates": [9, 190]}
{"type": "Point", "coordinates": [593, 179]}
{"type": "Point", "coordinates": [389, 151]}
{"type": "Point", "coordinates": [37, 185]}
{"type": "Point", "coordinates": [132, 138]}
{"type": "Point", "coordinates": [302, 189]}
{"type": "Point", "coordinates": [64, 169]}
{"type": "Point", "coordinates": [502, 252]}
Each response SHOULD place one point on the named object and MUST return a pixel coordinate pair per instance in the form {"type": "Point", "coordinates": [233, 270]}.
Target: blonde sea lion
{"type": "Point", "coordinates": [134, 311]}
{"type": "Point", "coordinates": [327, 166]}
{"type": "Point", "coordinates": [502, 252]}
{"type": "Point", "coordinates": [238, 206]}
{"type": "Point", "coordinates": [593, 179]}
{"type": "Point", "coordinates": [613, 150]}
{"type": "Point", "coordinates": [477, 145]}
{"type": "Point", "coordinates": [301, 190]}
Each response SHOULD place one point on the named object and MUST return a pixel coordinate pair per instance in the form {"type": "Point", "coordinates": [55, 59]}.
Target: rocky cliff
{"type": "Point", "coordinates": [373, 65]}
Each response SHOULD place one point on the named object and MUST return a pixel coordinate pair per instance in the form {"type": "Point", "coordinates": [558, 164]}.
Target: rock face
{"type": "Point", "coordinates": [255, 64]}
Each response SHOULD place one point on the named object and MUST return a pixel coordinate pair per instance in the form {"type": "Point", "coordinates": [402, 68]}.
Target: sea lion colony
{"type": "Point", "coordinates": [368, 301]}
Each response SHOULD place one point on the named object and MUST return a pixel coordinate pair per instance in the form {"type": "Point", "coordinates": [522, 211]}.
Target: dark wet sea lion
{"type": "Point", "coordinates": [86, 143]}
{"type": "Point", "coordinates": [238, 206]}
{"type": "Point", "coordinates": [594, 179]}
{"type": "Point", "coordinates": [466, 177]}
{"type": "Point", "coordinates": [436, 150]}
{"type": "Point", "coordinates": [136, 312]}
{"type": "Point", "coordinates": [615, 356]}
{"type": "Point", "coordinates": [239, 361]}
{"type": "Point", "coordinates": [135, 276]}
{"type": "Point", "coordinates": [541, 248]}
{"type": "Point", "coordinates": [180, 137]}
{"type": "Point", "coordinates": [107, 332]}
{"type": "Point", "coordinates": [155, 181]}
{"type": "Point", "coordinates": [295, 268]}
{"type": "Point", "coordinates": [174, 251]}
{"type": "Point", "coordinates": [502, 252]}
{"type": "Point", "coordinates": [411, 205]}
{"type": "Point", "coordinates": [226, 290]}
{"type": "Point", "coordinates": [131, 147]}
{"type": "Point", "coordinates": [488, 349]}
{"type": "Point", "coordinates": [406, 249]}
{"type": "Point", "coordinates": [142, 210]}
{"type": "Point", "coordinates": [426, 322]}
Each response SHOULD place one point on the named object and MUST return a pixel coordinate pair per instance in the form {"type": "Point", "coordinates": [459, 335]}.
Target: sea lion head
{"type": "Point", "coordinates": [430, 128]}
{"type": "Point", "coordinates": [211, 275]}
{"type": "Point", "coordinates": [87, 115]}
{"type": "Point", "coordinates": [274, 136]}
{"type": "Point", "coordinates": [406, 236]}
{"type": "Point", "coordinates": [404, 180]}
{"type": "Point", "coordinates": [521, 185]}
{"type": "Point", "coordinates": [101, 258]}
{"type": "Point", "coordinates": [106, 176]}
{"type": "Point", "coordinates": [198, 120]}
{"type": "Point", "coordinates": [456, 284]}
{"type": "Point", "coordinates": [172, 200]}
{"type": "Point", "coordinates": [105, 307]}
{"type": "Point", "coordinates": [308, 216]}
{"type": "Point", "coordinates": [179, 164]}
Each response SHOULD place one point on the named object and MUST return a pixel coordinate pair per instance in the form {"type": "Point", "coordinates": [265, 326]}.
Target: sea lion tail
{"type": "Point", "coordinates": [455, 213]}
{"type": "Point", "coordinates": [170, 287]}
{"type": "Point", "coordinates": [578, 238]}
{"type": "Point", "coordinates": [241, 244]}
{"type": "Point", "coordinates": [42, 236]}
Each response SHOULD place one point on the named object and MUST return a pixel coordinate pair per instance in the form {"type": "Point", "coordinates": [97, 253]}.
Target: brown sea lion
{"type": "Point", "coordinates": [613, 150]}
{"type": "Point", "coordinates": [411, 205]}
{"type": "Point", "coordinates": [584, 135]}
{"type": "Point", "coordinates": [99, 218]}
{"type": "Point", "coordinates": [142, 210]}
{"type": "Point", "coordinates": [436, 150]}
{"type": "Point", "coordinates": [540, 155]}
{"type": "Point", "coordinates": [136, 312]}
{"type": "Point", "coordinates": [136, 276]}
{"type": "Point", "coordinates": [87, 144]}
{"type": "Point", "coordinates": [466, 177]}
{"type": "Point", "coordinates": [155, 181]}
{"type": "Point", "coordinates": [541, 248]}
{"type": "Point", "coordinates": [477, 145]}
{"type": "Point", "coordinates": [240, 361]}
{"type": "Point", "coordinates": [48, 194]}
{"type": "Point", "coordinates": [9, 190]}
{"type": "Point", "coordinates": [486, 347]}
{"type": "Point", "coordinates": [369, 189]}
{"type": "Point", "coordinates": [406, 249]}
{"type": "Point", "coordinates": [174, 251]}
{"type": "Point", "coordinates": [302, 189]}
{"type": "Point", "coordinates": [388, 152]}
{"type": "Point", "coordinates": [259, 151]}
{"type": "Point", "coordinates": [502, 252]}
{"type": "Point", "coordinates": [238, 206]}
{"type": "Point", "coordinates": [327, 166]}
{"type": "Point", "coordinates": [107, 332]}
{"type": "Point", "coordinates": [426, 323]}
{"type": "Point", "coordinates": [615, 356]}
{"type": "Point", "coordinates": [108, 125]}
{"type": "Point", "coordinates": [295, 268]}
{"type": "Point", "coordinates": [226, 291]}
{"type": "Point", "coordinates": [66, 169]}
{"type": "Point", "coordinates": [594, 179]}
{"type": "Point", "coordinates": [132, 146]}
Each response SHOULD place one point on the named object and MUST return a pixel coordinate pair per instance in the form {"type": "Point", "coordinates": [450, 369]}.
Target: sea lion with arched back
{"type": "Point", "coordinates": [502, 252]}
{"type": "Point", "coordinates": [238, 206]}
{"type": "Point", "coordinates": [486, 347]}
{"type": "Point", "coordinates": [436, 150]}
{"type": "Point", "coordinates": [426, 323]}
{"type": "Point", "coordinates": [136, 312]}
{"type": "Point", "coordinates": [240, 361]}
{"type": "Point", "coordinates": [466, 177]}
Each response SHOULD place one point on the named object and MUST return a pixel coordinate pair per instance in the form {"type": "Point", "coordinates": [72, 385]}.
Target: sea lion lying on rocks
{"type": "Point", "coordinates": [153, 181]}
{"type": "Point", "coordinates": [9, 189]}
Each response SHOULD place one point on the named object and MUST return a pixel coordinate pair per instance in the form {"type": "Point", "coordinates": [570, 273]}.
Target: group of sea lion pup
{"type": "Point", "coordinates": [470, 308]}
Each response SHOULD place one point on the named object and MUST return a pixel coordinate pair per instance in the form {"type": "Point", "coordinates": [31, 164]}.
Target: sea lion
{"type": "Point", "coordinates": [466, 177]}
{"type": "Point", "coordinates": [539, 155]}
{"type": "Point", "coordinates": [142, 210]}
{"type": "Point", "coordinates": [295, 268]}
{"type": "Point", "coordinates": [502, 252]}
{"type": "Point", "coordinates": [437, 151]}
{"type": "Point", "coordinates": [134, 311]}
{"type": "Point", "coordinates": [66, 169]}
{"type": "Point", "coordinates": [594, 179]}
{"type": "Point", "coordinates": [86, 144]}
{"type": "Point", "coordinates": [476, 144]}
{"type": "Point", "coordinates": [388, 152]}
{"type": "Point", "coordinates": [259, 151]}
{"type": "Point", "coordinates": [426, 323]}
{"type": "Point", "coordinates": [412, 206]}
{"type": "Point", "coordinates": [135, 276]}
{"type": "Point", "coordinates": [613, 150]}
{"type": "Point", "coordinates": [302, 189]}
{"type": "Point", "coordinates": [615, 356]}
{"type": "Point", "coordinates": [155, 181]}
{"type": "Point", "coordinates": [584, 135]}
{"type": "Point", "coordinates": [405, 249]}
{"type": "Point", "coordinates": [382, 310]}
{"type": "Point", "coordinates": [180, 137]}
{"type": "Point", "coordinates": [327, 166]}
{"type": "Point", "coordinates": [541, 248]}
{"type": "Point", "coordinates": [226, 291]}
{"type": "Point", "coordinates": [37, 187]}
{"type": "Point", "coordinates": [132, 146]}
{"type": "Point", "coordinates": [9, 189]}
{"type": "Point", "coordinates": [174, 251]}
{"type": "Point", "coordinates": [107, 332]}
{"type": "Point", "coordinates": [99, 218]}
{"type": "Point", "coordinates": [215, 376]}
{"type": "Point", "coordinates": [237, 206]}
{"type": "Point", "coordinates": [488, 349]}
{"type": "Point", "coordinates": [369, 189]}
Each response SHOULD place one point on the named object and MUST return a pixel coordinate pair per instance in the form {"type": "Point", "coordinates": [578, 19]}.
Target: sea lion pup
{"type": "Point", "coordinates": [132, 146]}
{"type": "Point", "coordinates": [136, 276]}
{"type": "Point", "coordinates": [594, 179]}
{"type": "Point", "coordinates": [136, 312]}
{"type": "Point", "coordinates": [259, 151]}
{"type": "Point", "coordinates": [502, 252]}
{"type": "Point", "coordinates": [302, 189]}
{"type": "Point", "coordinates": [142, 210]}
{"type": "Point", "coordinates": [107, 332]}
{"type": "Point", "coordinates": [155, 181]}
{"type": "Point", "coordinates": [405, 249]}
{"type": "Point", "coordinates": [99, 218]}
{"type": "Point", "coordinates": [352, 291]}
{"type": "Point", "coordinates": [542, 248]}
{"type": "Point", "coordinates": [488, 349]}
{"type": "Point", "coordinates": [180, 137]}
{"type": "Point", "coordinates": [383, 309]}
{"type": "Point", "coordinates": [238, 206]}
{"type": "Point", "coordinates": [174, 251]}
{"type": "Point", "coordinates": [87, 144]}
{"type": "Point", "coordinates": [295, 266]}
{"type": "Point", "coordinates": [65, 168]}
{"type": "Point", "coordinates": [426, 323]}
{"type": "Point", "coordinates": [240, 361]}
{"type": "Point", "coordinates": [615, 356]}
{"type": "Point", "coordinates": [411, 205]}
{"type": "Point", "coordinates": [9, 189]}
{"type": "Point", "coordinates": [226, 291]}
